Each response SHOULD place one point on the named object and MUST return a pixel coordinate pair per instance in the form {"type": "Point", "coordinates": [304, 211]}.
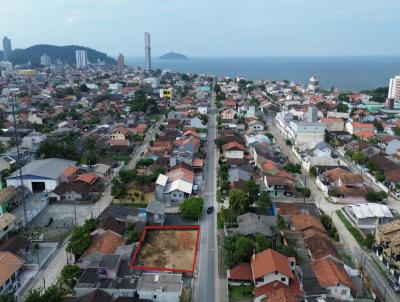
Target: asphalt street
{"type": "Point", "coordinates": [207, 282]}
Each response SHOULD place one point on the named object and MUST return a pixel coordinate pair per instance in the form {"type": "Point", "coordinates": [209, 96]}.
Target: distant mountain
{"type": "Point", "coordinates": [65, 53]}
{"type": "Point", "coordinates": [173, 56]}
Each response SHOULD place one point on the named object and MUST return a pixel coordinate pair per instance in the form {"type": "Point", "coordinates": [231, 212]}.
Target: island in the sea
{"type": "Point", "coordinates": [173, 56]}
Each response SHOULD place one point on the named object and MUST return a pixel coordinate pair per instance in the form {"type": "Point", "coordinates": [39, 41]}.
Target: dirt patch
{"type": "Point", "coordinates": [168, 248]}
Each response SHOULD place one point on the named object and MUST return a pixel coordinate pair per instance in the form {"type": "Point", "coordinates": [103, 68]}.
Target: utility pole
{"type": "Point", "coordinates": [13, 101]}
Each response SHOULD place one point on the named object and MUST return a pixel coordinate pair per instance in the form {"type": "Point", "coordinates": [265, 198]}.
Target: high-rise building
{"type": "Point", "coordinates": [313, 84]}
{"type": "Point", "coordinates": [5, 68]}
{"type": "Point", "coordinates": [7, 49]}
{"type": "Point", "coordinates": [312, 114]}
{"type": "Point", "coordinates": [121, 63]}
{"type": "Point", "coordinates": [147, 51]}
{"type": "Point", "coordinates": [45, 60]}
{"type": "Point", "coordinates": [394, 88]}
{"type": "Point", "coordinates": [81, 59]}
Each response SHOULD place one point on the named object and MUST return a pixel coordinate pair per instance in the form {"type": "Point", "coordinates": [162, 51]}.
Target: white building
{"type": "Point", "coordinates": [45, 60]}
{"type": "Point", "coordinates": [5, 68]}
{"type": "Point", "coordinates": [368, 216]}
{"type": "Point", "coordinates": [160, 287]}
{"type": "Point", "coordinates": [394, 88]}
{"type": "Point", "coordinates": [81, 59]}
{"type": "Point", "coordinates": [313, 84]}
{"type": "Point", "coordinates": [40, 175]}
{"type": "Point", "coordinates": [308, 134]}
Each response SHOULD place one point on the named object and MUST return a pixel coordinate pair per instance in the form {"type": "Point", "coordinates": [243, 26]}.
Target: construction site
{"type": "Point", "coordinates": [167, 248]}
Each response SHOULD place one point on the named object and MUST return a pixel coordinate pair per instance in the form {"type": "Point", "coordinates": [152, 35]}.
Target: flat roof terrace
{"type": "Point", "coordinates": [167, 248]}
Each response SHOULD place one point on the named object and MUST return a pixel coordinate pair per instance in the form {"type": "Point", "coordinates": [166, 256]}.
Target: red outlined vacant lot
{"type": "Point", "coordinates": [167, 248]}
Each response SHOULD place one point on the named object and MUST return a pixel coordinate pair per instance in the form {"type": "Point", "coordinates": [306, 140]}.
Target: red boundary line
{"type": "Point", "coordinates": [193, 227]}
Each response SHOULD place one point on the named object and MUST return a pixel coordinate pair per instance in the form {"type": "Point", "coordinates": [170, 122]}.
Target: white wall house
{"type": "Point", "coordinates": [160, 287]}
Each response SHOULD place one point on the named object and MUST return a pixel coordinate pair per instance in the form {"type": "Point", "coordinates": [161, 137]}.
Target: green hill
{"type": "Point", "coordinates": [65, 53]}
{"type": "Point", "coordinates": [173, 56]}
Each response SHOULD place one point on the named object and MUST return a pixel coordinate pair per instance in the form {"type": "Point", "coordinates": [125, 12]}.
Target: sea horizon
{"type": "Point", "coordinates": [350, 73]}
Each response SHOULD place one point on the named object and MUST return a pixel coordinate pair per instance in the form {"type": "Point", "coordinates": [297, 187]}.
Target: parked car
{"type": "Point", "coordinates": [210, 210]}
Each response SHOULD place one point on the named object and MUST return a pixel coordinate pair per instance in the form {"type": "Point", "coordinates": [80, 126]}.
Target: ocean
{"type": "Point", "coordinates": [346, 73]}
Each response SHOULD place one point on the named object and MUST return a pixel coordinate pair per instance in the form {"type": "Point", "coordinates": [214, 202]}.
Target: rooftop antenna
{"type": "Point", "coordinates": [13, 101]}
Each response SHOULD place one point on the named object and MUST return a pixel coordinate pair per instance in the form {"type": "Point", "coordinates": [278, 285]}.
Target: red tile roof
{"type": "Point", "coordinates": [270, 261]}
{"type": "Point", "coordinates": [71, 170]}
{"type": "Point", "coordinates": [88, 178]}
{"type": "Point", "coordinates": [233, 145]}
{"type": "Point", "coordinates": [241, 272]}
{"type": "Point", "coordinates": [302, 222]}
{"type": "Point", "coordinates": [105, 243]}
{"type": "Point", "coordinates": [330, 273]}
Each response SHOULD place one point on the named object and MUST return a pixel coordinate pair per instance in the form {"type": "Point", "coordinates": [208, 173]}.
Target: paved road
{"type": "Point", "coordinates": [150, 135]}
{"type": "Point", "coordinates": [360, 256]}
{"type": "Point", "coordinates": [207, 283]}
{"type": "Point", "coordinates": [50, 273]}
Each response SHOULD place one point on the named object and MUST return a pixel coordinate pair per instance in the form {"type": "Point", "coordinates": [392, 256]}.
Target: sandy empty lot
{"type": "Point", "coordinates": [168, 248]}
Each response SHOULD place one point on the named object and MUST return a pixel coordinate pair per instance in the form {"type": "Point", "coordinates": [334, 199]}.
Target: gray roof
{"type": "Point", "coordinates": [251, 224]}
{"type": "Point", "coordinates": [156, 207]}
{"type": "Point", "coordinates": [236, 174]}
{"type": "Point", "coordinates": [165, 282]}
{"type": "Point", "coordinates": [47, 168]}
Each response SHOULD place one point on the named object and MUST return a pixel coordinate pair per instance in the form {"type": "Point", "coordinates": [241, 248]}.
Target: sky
{"type": "Point", "coordinates": [208, 27]}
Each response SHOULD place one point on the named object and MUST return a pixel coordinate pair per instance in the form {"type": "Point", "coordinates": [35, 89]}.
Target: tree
{"type": "Point", "coordinates": [118, 188]}
{"type": "Point", "coordinates": [369, 241]}
{"type": "Point", "coordinates": [326, 221]}
{"type": "Point", "coordinates": [70, 275]}
{"type": "Point", "coordinates": [244, 249]}
{"type": "Point", "coordinates": [263, 202]}
{"type": "Point", "coordinates": [343, 97]}
{"type": "Point", "coordinates": [79, 242]}
{"type": "Point", "coordinates": [306, 192]}
{"type": "Point", "coordinates": [280, 222]}
{"type": "Point", "coordinates": [293, 168]}
{"type": "Point", "coordinates": [359, 158]}
{"type": "Point", "coordinates": [192, 207]}
{"type": "Point", "coordinates": [262, 243]}
{"type": "Point", "coordinates": [341, 107]}
{"type": "Point", "coordinates": [313, 171]}
{"type": "Point", "coordinates": [51, 294]}
{"type": "Point", "coordinates": [375, 196]}
{"type": "Point", "coordinates": [7, 298]}
{"type": "Point", "coordinates": [238, 201]}
{"type": "Point", "coordinates": [252, 190]}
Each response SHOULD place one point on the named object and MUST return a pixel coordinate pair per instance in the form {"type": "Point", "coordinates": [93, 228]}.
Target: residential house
{"type": "Point", "coordinates": [320, 247]}
{"type": "Point", "coordinates": [102, 244]}
{"type": "Point", "coordinates": [227, 116]}
{"type": "Point", "coordinates": [33, 140]}
{"type": "Point", "coordinates": [332, 124]}
{"type": "Point", "coordinates": [233, 150]}
{"type": "Point", "coordinates": [196, 122]}
{"type": "Point", "coordinates": [278, 182]}
{"type": "Point", "coordinates": [332, 276]}
{"type": "Point", "coordinates": [393, 146]}
{"type": "Point", "coordinates": [10, 266]}
{"type": "Point", "coordinates": [111, 275]}
{"type": "Point", "coordinates": [9, 199]}
{"type": "Point", "coordinates": [390, 169]}
{"type": "Point", "coordinates": [7, 223]}
{"type": "Point", "coordinates": [256, 125]}
{"type": "Point", "coordinates": [308, 225]}
{"type": "Point", "coordinates": [120, 133]}
{"type": "Point", "coordinates": [73, 191]}
{"type": "Point", "coordinates": [344, 186]}
{"type": "Point", "coordinates": [356, 127]}
{"type": "Point", "coordinates": [175, 186]}
{"type": "Point", "coordinates": [160, 287]}
{"type": "Point", "coordinates": [17, 245]}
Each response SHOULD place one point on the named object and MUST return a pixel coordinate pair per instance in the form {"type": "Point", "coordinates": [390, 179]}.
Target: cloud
{"type": "Point", "coordinates": [71, 20]}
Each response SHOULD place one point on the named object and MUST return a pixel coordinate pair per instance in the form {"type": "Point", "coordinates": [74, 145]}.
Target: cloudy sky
{"type": "Point", "coordinates": [208, 27]}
